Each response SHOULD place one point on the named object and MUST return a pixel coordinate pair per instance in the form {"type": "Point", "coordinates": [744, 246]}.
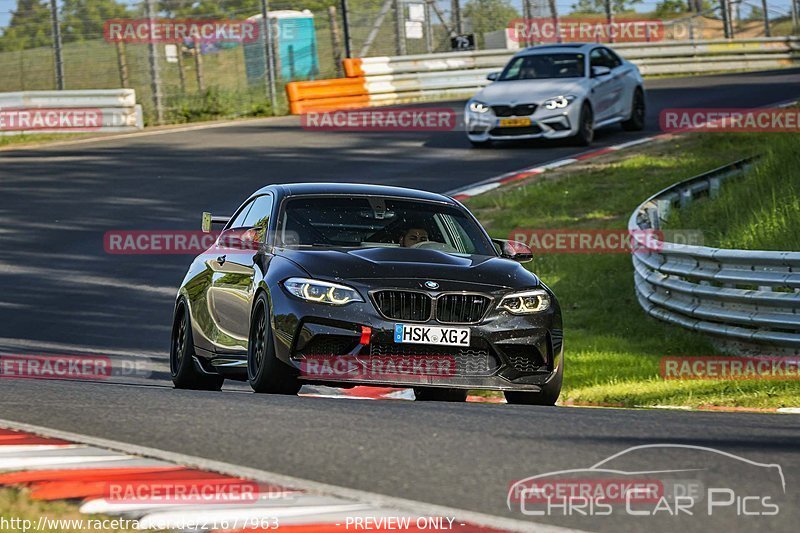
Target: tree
{"type": "Point", "coordinates": [489, 15]}
{"type": "Point", "coordinates": [83, 20]}
{"type": "Point", "coordinates": [598, 7]}
{"type": "Point", "coordinates": [29, 27]}
{"type": "Point", "coordinates": [671, 7]}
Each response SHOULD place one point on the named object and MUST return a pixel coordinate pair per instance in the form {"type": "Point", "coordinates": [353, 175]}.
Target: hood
{"type": "Point", "coordinates": [401, 263]}
{"type": "Point", "coordinates": [528, 91]}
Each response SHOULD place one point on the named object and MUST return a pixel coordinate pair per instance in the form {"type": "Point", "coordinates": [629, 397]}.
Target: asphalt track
{"type": "Point", "coordinates": [61, 293]}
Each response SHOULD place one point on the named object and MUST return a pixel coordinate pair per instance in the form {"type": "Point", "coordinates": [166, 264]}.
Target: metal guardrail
{"type": "Point", "coordinates": [103, 110]}
{"type": "Point", "coordinates": [748, 296]}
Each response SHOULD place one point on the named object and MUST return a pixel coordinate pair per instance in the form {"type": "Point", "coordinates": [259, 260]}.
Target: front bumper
{"type": "Point", "coordinates": [545, 124]}
{"type": "Point", "coordinates": [330, 345]}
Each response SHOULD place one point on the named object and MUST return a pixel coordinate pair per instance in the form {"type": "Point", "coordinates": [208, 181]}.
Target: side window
{"type": "Point", "coordinates": [238, 220]}
{"type": "Point", "coordinates": [596, 58]}
{"type": "Point", "coordinates": [260, 212]}
{"type": "Point", "coordinates": [613, 59]}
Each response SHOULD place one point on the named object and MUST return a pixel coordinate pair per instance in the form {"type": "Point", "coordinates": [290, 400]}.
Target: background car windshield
{"type": "Point", "coordinates": [544, 66]}
{"type": "Point", "coordinates": [367, 222]}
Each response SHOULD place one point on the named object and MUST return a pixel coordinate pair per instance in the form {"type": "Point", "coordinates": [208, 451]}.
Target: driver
{"type": "Point", "coordinates": [413, 236]}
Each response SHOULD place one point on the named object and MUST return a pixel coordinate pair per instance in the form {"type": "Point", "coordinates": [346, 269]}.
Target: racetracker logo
{"type": "Point", "coordinates": [399, 119]}
{"type": "Point", "coordinates": [545, 30]}
{"type": "Point", "coordinates": [85, 367]}
{"type": "Point", "coordinates": [212, 489]}
{"type": "Point", "coordinates": [717, 367]}
{"type": "Point", "coordinates": [147, 242]}
{"type": "Point", "coordinates": [46, 120]}
{"type": "Point", "coordinates": [781, 120]}
{"type": "Point", "coordinates": [159, 31]}
{"type": "Point", "coordinates": [377, 367]}
{"type": "Point", "coordinates": [576, 241]}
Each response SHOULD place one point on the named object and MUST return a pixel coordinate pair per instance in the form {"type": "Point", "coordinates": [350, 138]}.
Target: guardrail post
{"type": "Point", "coordinates": [713, 187]}
{"type": "Point", "coordinates": [664, 208]}
{"type": "Point", "coordinates": [58, 60]}
{"type": "Point", "coordinates": [686, 197]}
{"type": "Point", "coordinates": [155, 72]}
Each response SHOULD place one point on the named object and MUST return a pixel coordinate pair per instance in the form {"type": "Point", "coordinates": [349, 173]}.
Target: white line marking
{"type": "Point", "coordinates": [370, 498]}
{"type": "Point", "coordinates": [789, 410]}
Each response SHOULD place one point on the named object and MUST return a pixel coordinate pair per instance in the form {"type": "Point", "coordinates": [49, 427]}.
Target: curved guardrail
{"type": "Point", "coordinates": [748, 296]}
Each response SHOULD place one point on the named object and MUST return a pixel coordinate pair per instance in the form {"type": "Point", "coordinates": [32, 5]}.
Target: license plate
{"type": "Point", "coordinates": [514, 122]}
{"type": "Point", "coordinates": [416, 334]}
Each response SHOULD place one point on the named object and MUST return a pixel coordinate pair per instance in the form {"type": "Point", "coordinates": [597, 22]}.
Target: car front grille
{"type": "Point", "coordinates": [461, 308]}
{"type": "Point", "coordinates": [508, 132]}
{"type": "Point", "coordinates": [519, 110]}
{"type": "Point", "coordinates": [469, 361]}
{"type": "Point", "coordinates": [403, 305]}
{"type": "Point", "coordinates": [416, 306]}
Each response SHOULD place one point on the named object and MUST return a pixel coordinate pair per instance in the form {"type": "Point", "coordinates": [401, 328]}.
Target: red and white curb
{"type": "Point", "coordinates": [56, 465]}
{"type": "Point", "coordinates": [517, 175]}
{"type": "Point", "coordinates": [377, 393]}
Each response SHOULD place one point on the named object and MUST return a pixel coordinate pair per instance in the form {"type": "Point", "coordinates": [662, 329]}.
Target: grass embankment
{"type": "Point", "coordinates": [613, 348]}
{"type": "Point", "coordinates": [16, 507]}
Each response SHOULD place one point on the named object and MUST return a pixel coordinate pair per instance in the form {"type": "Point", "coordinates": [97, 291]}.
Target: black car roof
{"type": "Point", "coordinates": [295, 189]}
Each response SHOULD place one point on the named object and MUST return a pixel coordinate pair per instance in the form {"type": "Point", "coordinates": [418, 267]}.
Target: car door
{"type": "Point", "coordinates": [622, 91]}
{"type": "Point", "coordinates": [606, 88]}
{"type": "Point", "coordinates": [237, 269]}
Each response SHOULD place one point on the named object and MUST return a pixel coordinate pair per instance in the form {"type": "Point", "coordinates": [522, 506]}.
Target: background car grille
{"type": "Point", "coordinates": [520, 110]}
{"type": "Point", "coordinates": [461, 308]}
{"type": "Point", "coordinates": [509, 132]}
{"type": "Point", "coordinates": [403, 305]}
{"type": "Point", "coordinates": [469, 361]}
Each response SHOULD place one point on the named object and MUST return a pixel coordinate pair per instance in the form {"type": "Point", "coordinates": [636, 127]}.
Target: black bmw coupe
{"type": "Point", "coordinates": [345, 284]}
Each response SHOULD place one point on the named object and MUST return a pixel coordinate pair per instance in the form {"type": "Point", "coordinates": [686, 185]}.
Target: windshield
{"type": "Point", "coordinates": [544, 66]}
{"type": "Point", "coordinates": [368, 222]}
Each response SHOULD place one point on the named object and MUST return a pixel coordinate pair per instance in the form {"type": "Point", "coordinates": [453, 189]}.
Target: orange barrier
{"type": "Point", "coordinates": [326, 95]}
{"type": "Point", "coordinates": [352, 67]}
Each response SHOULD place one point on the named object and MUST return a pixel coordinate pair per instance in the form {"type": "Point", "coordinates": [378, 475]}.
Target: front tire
{"type": "Point", "coordinates": [636, 122]}
{"type": "Point", "coordinates": [585, 134]}
{"type": "Point", "coordinates": [185, 374]}
{"type": "Point", "coordinates": [480, 144]}
{"type": "Point", "coordinates": [433, 394]}
{"type": "Point", "coordinates": [550, 392]}
{"type": "Point", "coordinates": [265, 372]}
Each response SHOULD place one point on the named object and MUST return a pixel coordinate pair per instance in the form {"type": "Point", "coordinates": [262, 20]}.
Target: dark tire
{"type": "Point", "coordinates": [265, 372]}
{"type": "Point", "coordinates": [585, 134]}
{"type": "Point", "coordinates": [636, 122]}
{"type": "Point", "coordinates": [548, 396]}
{"type": "Point", "coordinates": [433, 394]}
{"type": "Point", "coordinates": [480, 144]}
{"type": "Point", "coordinates": [185, 374]}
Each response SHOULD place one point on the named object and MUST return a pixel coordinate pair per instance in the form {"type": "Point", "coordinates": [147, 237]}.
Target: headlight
{"type": "Point", "coordinates": [526, 303]}
{"type": "Point", "coordinates": [478, 107]}
{"type": "Point", "coordinates": [559, 102]}
{"type": "Point", "coordinates": [321, 291]}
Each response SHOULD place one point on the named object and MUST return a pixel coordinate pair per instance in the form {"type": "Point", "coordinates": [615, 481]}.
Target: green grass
{"type": "Point", "coordinates": [761, 210]}
{"type": "Point", "coordinates": [37, 138]}
{"type": "Point", "coordinates": [18, 506]}
{"type": "Point", "coordinates": [613, 349]}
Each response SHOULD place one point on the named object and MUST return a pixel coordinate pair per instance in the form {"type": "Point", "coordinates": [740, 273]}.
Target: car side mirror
{"type": "Point", "coordinates": [514, 250]}
{"type": "Point", "coordinates": [492, 76]}
{"type": "Point", "coordinates": [243, 238]}
{"type": "Point", "coordinates": [209, 220]}
{"type": "Point", "coordinates": [600, 71]}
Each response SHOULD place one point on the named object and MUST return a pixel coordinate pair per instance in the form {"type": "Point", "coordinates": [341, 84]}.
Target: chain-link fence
{"type": "Point", "coordinates": [194, 77]}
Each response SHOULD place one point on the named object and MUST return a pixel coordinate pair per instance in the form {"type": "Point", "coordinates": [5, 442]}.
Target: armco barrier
{"type": "Point", "coordinates": [748, 296]}
{"type": "Point", "coordinates": [117, 108]}
{"type": "Point", "coordinates": [391, 80]}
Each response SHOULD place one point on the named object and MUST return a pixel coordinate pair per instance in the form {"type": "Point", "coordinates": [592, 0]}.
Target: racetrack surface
{"type": "Point", "coordinates": [61, 293]}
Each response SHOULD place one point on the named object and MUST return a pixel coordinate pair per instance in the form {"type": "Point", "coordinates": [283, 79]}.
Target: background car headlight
{"type": "Point", "coordinates": [321, 291]}
{"type": "Point", "coordinates": [526, 302]}
{"type": "Point", "coordinates": [478, 107]}
{"type": "Point", "coordinates": [559, 102]}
